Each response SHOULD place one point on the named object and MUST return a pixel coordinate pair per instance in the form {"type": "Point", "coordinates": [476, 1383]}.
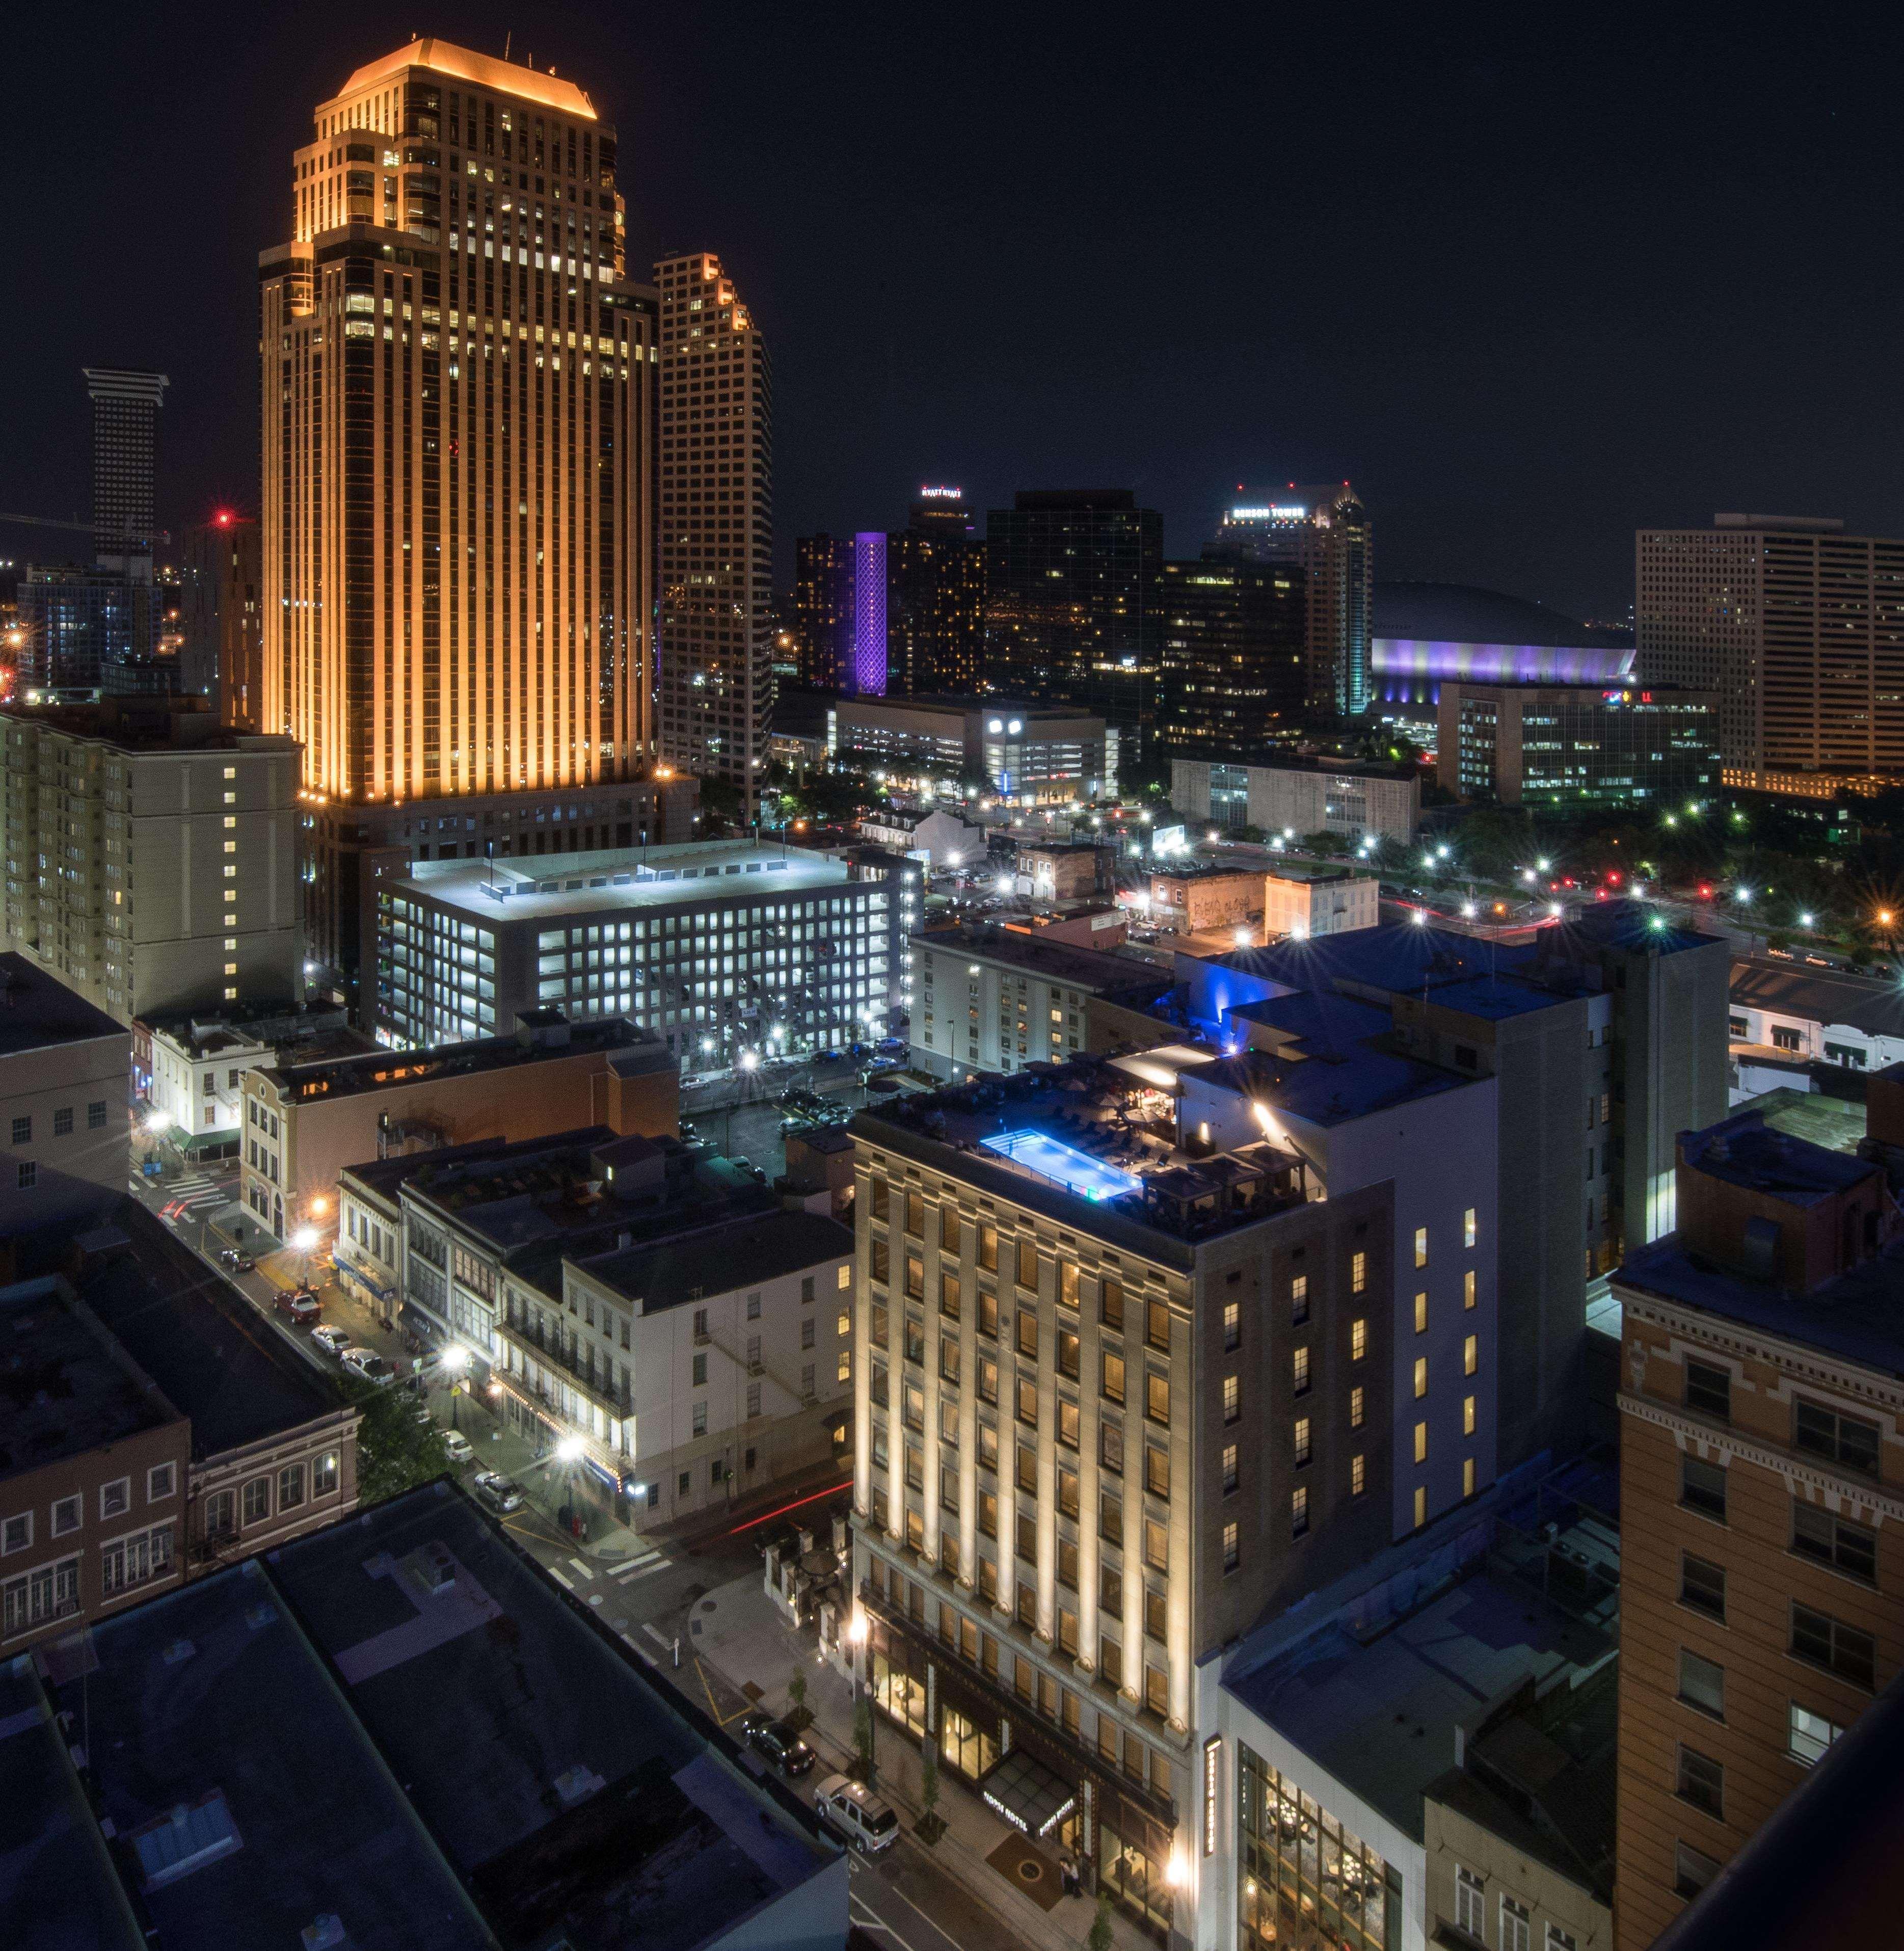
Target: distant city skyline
{"type": "Point", "coordinates": [1495, 311]}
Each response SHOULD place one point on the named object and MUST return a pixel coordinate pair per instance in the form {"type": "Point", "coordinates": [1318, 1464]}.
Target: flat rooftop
{"type": "Point", "coordinates": [199, 1340]}
{"type": "Point", "coordinates": [743, 1253]}
{"type": "Point", "coordinates": [1818, 996]}
{"type": "Point", "coordinates": [1279, 762]}
{"type": "Point", "coordinates": [1380, 1718]}
{"type": "Point", "coordinates": [1742, 1152]}
{"type": "Point", "coordinates": [66, 1385]}
{"type": "Point", "coordinates": [153, 723]}
{"type": "Point", "coordinates": [1055, 961]}
{"type": "Point", "coordinates": [1341, 1063]}
{"type": "Point", "coordinates": [628, 880]}
{"type": "Point", "coordinates": [479, 1761]}
{"type": "Point", "coordinates": [387, 1070]}
{"type": "Point", "coordinates": [37, 1012]}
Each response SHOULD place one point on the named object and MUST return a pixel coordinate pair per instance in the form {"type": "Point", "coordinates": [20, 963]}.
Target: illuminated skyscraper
{"type": "Point", "coordinates": [1327, 530]}
{"type": "Point", "coordinates": [715, 412]}
{"type": "Point", "coordinates": [457, 450]}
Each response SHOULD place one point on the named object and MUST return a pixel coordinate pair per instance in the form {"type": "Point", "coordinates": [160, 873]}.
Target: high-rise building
{"type": "Point", "coordinates": [715, 415]}
{"type": "Point", "coordinates": [1327, 530]}
{"type": "Point", "coordinates": [125, 474]}
{"type": "Point", "coordinates": [1233, 653]}
{"type": "Point", "coordinates": [899, 614]}
{"type": "Point", "coordinates": [223, 619]}
{"type": "Point", "coordinates": [1071, 604]}
{"type": "Point", "coordinates": [1760, 1486]}
{"type": "Point", "coordinates": [1798, 627]}
{"type": "Point", "coordinates": [151, 854]}
{"type": "Point", "coordinates": [79, 626]}
{"type": "Point", "coordinates": [456, 521]}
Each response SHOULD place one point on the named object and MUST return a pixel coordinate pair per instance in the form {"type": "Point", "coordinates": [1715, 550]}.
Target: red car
{"type": "Point", "coordinates": [302, 1307]}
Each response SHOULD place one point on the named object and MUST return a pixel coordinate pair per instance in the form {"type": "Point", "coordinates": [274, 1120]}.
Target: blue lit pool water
{"type": "Point", "coordinates": [1077, 1171]}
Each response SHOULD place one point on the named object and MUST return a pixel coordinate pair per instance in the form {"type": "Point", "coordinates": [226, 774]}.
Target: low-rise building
{"type": "Point", "coordinates": [63, 1069]}
{"type": "Point", "coordinates": [305, 1122]}
{"type": "Point", "coordinates": [996, 999]}
{"type": "Point", "coordinates": [1577, 745]}
{"type": "Point", "coordinates": [1302, 796]}
{"type": "Point", "coordinates": [940, 838]}
{"type": "Point", "coordinates": [1325, 901]}
{"type": "Point", "coordinates": [1793, 1010]}
{"type": "Point", "coordinates": [299, 1736]}
{"type": "Point", "coordinates": [1061, 870]}
{"type": "Point", "coordinates": [720, 948]}
{"type": "Point", "coordinates": [1761, 1491]}
{"type": "Point", "coordinates": [151, 854]}
{"type": "Point", "coordinates": [660, 1307]}
{"type": "Point", "coordinates": [1027, 754]}
{"type": "Point", "coordinates": [1187, 899]}
{"type": "Point", "coordinates": [154, 1428]}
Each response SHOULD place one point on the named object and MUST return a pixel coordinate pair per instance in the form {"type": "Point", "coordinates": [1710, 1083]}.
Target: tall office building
{"type": "Point", "coordinates": [125, 455]}
{"type": "Point", "coordinates": [456, 521]}
{"type": "Point", "coordinates": [715, 410]}
{"type": "Point", "coordinates": [1328, 531]}
{"type": "Point", "coordinates": [1798, 627]}
{"type": "Point", "coordinates": [1233, 644]}
{"type": "Point", "coordinates": [899, 614]}
{"type": "Point", "coordinates": [223, 619]}
{"type": "Point", "coordinates": [1070, 604]}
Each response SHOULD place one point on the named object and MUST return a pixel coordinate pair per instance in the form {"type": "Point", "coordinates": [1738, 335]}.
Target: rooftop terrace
{"type": "Point", "coordinates": [478, 1762]}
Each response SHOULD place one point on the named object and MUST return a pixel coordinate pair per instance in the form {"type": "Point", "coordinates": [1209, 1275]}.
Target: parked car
{"type": "Point", "coordinates": [851, 1809]}
{"type": "Point", "coordinates": [234, 1261]}
{"type": "Point", "coordinates": [333, 1341]}
{"type": "Point", "coordinates": [497, 1492]}
{"type": "Point", "coordinates": [301, 1306]}
{"type": "Point", "coordinates": [420, 1415]}
{"type": "Point", "coordinates": [456, 1447]}
{"type": "Point", "coordinates": [369, 1364]}
{"type": "Point", "coordinates": [779, 1742]}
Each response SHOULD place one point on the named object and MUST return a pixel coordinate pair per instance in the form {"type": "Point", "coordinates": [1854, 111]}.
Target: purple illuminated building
{"type": "Point", "coordinates": [867, 670]}
{"type": "Point", "coordinates": [1410, 671]}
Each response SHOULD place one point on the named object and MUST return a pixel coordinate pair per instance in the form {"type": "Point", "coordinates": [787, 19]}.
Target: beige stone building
{"type": "Point", "coordinates": [1186, 901]}
{"type": "Point", "coordinates": [170, 846]}
{"type": "Point", "coordinates": [1327, 901]}
{"type": "Point", "coordinates": [304, 1124]}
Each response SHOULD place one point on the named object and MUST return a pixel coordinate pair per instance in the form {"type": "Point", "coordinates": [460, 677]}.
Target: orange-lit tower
{"type": "Point", "coordinates": [455, 520]}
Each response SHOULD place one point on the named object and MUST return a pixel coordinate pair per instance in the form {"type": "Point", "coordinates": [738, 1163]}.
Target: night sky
{"type": "Point", "coordinates": [1529, 290]}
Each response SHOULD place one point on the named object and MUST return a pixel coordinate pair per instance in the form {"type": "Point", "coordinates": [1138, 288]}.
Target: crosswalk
{"type": "Point", "coordinates": [639, 1568]}
{"type": "Point", "coordinates": [195, 1193]}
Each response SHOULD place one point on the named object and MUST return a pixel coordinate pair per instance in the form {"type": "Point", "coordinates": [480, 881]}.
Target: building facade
{"type": "Point", "coordinates": [1110, 1415]}
{"type": "Point", "coordinates": [169, 853]}
{"type": "Point", "coordinates": [993, 1000]}
{"type": "Point", "coordinates": [456, 517]}
{"type": "Point", "coordinates": [1233, 659]}
{"type": "Point", "coordinates": [1760, 1478]}
{"type": "Point", "coordinates": [715, 411]}
{"type": "Point", "coordinates": [1578, 745]}
{"type": "Point", "coordinates": [304, 1123]}
{"type": "Point", "coordinates": [1328, 901]}
{"type": "Point", "coordinates": [1023, 754]}
{"type": "Point", "coordinates": [720, 948]}
{"type": "Point", "coordinates": [1071, 603]}
{"type": "Point", "coordinates": [1186, 899]}
{"type": "Point", "coordinates": [223, 620]}
{"type": "Point", "coordinates": [1299, 797]}
{"type": "Point", "coordinates": [1796, 627]}
{"type": "Point", "coordinates": [1328, 533]}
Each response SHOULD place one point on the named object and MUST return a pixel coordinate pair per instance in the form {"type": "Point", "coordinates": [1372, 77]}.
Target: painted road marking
{"type": "Point", "coordinates": [581, 1566]}
{"type": "Point", "coordinates": [567, 1584]}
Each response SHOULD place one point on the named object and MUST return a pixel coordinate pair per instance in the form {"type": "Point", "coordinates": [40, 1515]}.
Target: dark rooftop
{"type": "Point", "coordinates": [1055, 961]}
{"type": "Point", "coordinates": [1819, 995]}
{"type": "Point", "coordinates": [66, 1385]}
{"type": "Point", "coordinates": [477, 1762]}
{"type": "Point", "coordinates": [1742, 1152]}
{"type": "Point", "coordinates": [205, 1346]}
{"type": "Point", "coordinates": [748, 1251]}
{"type": "Point", "coordinates": [1344, 1065]}
{"type": "Point", "coordinates": [1274, 760]}
{"type": "Point", "coordinates": [386, 1070]}
{"type": "Point", "coordinates": [162, 723]}
{"type": "Point", "coordinates": [38, 1012]}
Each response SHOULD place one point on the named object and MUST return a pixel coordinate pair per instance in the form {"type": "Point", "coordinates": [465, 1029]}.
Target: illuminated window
{"type": "Point", "coordinates": [1467, 1415]}
{"type": "Point", "coordinates": [1468, 1288]}
{"type": "Point", "coordinates": [1421, 1506]}
{"type": "Point", "coordinates": [1421, 1246]}
{"type": "Point", "coordinates": [1467, 1476]}
{"type": "Point", "coordinates": [1468, 1230]}
{"type": "Point", "coordinates": [1471, 1356]}
{"type": "Point", "coordinates": [1421, 1314]}
{"type": "Point", "coordinates": [1421, 1377]}
{"type": "Point", "coordinates": [1358, 1272]}
{"type": "Point", "coordinates": [1357, 1407]}
{"type": "Point", "coordinates": [1358, 1339]}
{"type": "Point", "coordinates": [1421, 1443]}
{"type": "Point", "coordinates": [1358, 1475]}
{"type": "Point", "coordinates": [1298, 1366]}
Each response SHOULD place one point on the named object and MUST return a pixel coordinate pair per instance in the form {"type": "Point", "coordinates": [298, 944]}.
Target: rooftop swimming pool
{"type": "Point", "coordinates": [1076, 1171]}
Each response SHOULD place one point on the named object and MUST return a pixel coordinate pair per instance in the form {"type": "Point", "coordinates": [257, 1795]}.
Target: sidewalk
{"type": "Point", "coordinates": [736, 1630]}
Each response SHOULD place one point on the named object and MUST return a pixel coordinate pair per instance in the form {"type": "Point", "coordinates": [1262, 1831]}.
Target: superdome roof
{"type": "Point", "coordinates": [1458, 613]}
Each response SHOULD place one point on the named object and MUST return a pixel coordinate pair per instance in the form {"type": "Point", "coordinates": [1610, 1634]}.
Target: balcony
{"type": "Point", "coordinates": [553, 1354]}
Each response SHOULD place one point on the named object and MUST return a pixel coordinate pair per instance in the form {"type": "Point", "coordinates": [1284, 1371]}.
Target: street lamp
{"type": "Point", "coordinates": [304, 1241]}
{"type": "Point", "coordinates": [456, 1361]}
{"type": "Point", "coordinates": [568, 1450]}
{"type": "Point", "coordinates": [856, 1634]}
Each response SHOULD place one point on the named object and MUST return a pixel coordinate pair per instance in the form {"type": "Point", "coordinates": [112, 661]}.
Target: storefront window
{"type": "Point", "coordinates": [969, 1749]}
{"type": "Point", "coordinates": [1308, 1884]}
{"type": "Point", "coordinates": [899, 1693]}
{"type": "Point", "coordinates": [1129, 1874]}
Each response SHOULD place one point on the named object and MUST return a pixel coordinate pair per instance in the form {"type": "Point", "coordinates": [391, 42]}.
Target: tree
{"type": "Point", "coordinates": [796, 1714]}
{"type": "Point", "coordinates": [395, 1451]}
{"type": "Point", "coordinates": [930, 1826]}
{"type": "Point", "coordinates": [863, 1737]}
{"type": "Point", "coordinates": [1098, 1937]}
{"type": "Point", "coordinates": [1325, 845]}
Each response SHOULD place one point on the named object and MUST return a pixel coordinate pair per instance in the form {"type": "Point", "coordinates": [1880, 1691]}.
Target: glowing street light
{"type": "Point", "coordinates": [1554, 909]}
{"type": "Point", "coordinates": [159, 1121]}
{"type": "Point", "coordinates": [1421, 917]}
{"type": "Point", "coordinates": [1468, 911]}
{"type": "Point", "coordinates": [1543, 866]}
{"type": "Point", "coordinates": [305, 1239]}
{"type": "Point", "coordinates": [1805, 920]}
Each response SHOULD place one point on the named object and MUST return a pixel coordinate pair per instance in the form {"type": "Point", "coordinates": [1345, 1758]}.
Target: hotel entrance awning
{"type": "Point", "coordinates": [1029, 1795]}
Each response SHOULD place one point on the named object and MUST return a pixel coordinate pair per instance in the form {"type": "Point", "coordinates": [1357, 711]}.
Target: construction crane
{"type": "Point", "coordinates": [84, 528]}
